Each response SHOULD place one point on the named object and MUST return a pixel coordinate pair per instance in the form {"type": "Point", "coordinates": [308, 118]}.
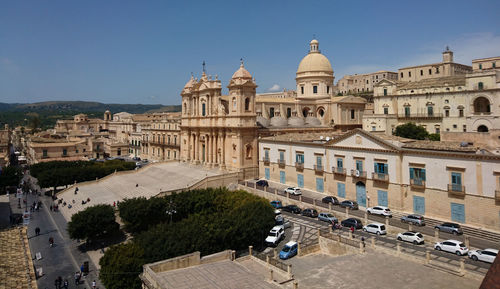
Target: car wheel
{"type": "Point", "coordinates": [369, 212]}
{"type": "Point", "coordinates": [399, 239]}
{"type": "Point", "coordinates": [415, 243]}
{"type": "Point", "coordinates": [455, 233]}
{"type": "Point", "coordinates": [458, 253]}
{"type": "Point", "coordinates": [364, 230]}
{"type": "Point", "coordinates": [474, 257]}
{"type": "Point", "coordinates": [378, 233]}
{"type": "Point", "coordinates": [438, 248]}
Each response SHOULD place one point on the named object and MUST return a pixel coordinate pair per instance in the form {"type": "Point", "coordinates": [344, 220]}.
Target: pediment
{"type": "Point", "coordinates": [362, 140]}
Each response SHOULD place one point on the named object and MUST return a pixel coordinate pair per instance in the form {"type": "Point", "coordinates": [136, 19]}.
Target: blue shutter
{"type": "Point", "coordinates": [282, 177]}
{"type": "Point", "coordinates": [458, 212]}
{"type": "Point", "coordinates": [375, 167]}
{"type": "Point", "coordinates": [267, 173]}
{"type": "Point", "coordinates": [412, 173]}
{"type": "Point", "coordinates": [386, 168]}
{"type": "Point", "coordinates": [300, 180]}
{"type": "Point", "coordinates": [341, 190]}
{"type": "Point", "coordinates": [319, 185]}
{"type": "Point", "coordinates": [419, 205]}
{"type": "Point", "coordinates": [422, 174]}
{"type": "Point", "coordinates": [382, 198]}
{"type": "Point", "coordinates": [340, 163]}
{"type": "Point", "coordinates": [456, 178]}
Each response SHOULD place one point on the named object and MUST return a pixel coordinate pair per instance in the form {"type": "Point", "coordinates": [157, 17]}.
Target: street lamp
{"type": "Point", "coordinates": [171, 210]}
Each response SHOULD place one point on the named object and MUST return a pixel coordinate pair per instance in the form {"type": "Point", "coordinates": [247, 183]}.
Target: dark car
{"type": "Point", "coordinates": [310, 213]}
{"type": "Point", "coordinates": [292, 209]}
{"type": "Point", "coordinates": [349, 204]}
{"type": "Point", "coordinates": [352, 222]}
{"type": "Point", "coordinates": [262, 183]}
{"type": "Point", "coordinates": [413, 219]}
{"type": "Point", "coordinates": [330, 199]}
{"type": "Point", "coordinates": [452, 228]}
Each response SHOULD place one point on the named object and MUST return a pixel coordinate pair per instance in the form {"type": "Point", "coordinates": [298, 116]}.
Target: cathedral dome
{"type": "Point", "coordinates": [314, 60]}
{"type": "Point", "coordinates": [278, 121]}
{"type": "Point", "coordinates": [242, 72]}
{"type": "Point", "coordinates": [313, 121]}
{"type": "Point", "coordinates": [295, 121]}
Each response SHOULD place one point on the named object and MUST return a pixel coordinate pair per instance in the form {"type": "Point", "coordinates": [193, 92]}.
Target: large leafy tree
{"type": "Point", "coordinates": [93, 223]}
{"type": "Point", "coordinates": [411, 130]}
{"type": "Point", "coordinates": [9, 176]}
{"type": "Point", "coordinates": [121, 266]}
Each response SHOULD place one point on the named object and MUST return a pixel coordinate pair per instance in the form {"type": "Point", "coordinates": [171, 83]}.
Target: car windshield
{"type": "Point", "coordinates": [382, 227]}
{"type": "Point", "coordinates": [272, 234]}
{"type": "Point", "coordinates": [387, 210]}
{"type": "Point", "coordinates": [329, 215]}
{"type": "Point", "coordinates": [286, 249]}
{"type": "Point", "coordinates": [420, 235]}
{"type": "Point", "coordinates": [462, 245]}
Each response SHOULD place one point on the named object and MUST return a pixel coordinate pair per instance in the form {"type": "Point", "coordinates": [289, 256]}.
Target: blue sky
{"type": "Point", "coordinates": [145, 51]}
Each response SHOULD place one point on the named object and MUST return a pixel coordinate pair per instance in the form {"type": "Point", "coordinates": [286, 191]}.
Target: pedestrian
{"type": "Point", "coordinates": [114, 204]}
{"type": "Point", "coordinates": [59, 281]}
{"type": "Point", "coordinates": [81, 269]}
{"type": "Point", "coordinates": [51, 241]}
{"type": "Point", "coordinates": [65, 284]}
{"type": "Point", "coordinates": [93, 284]}
{"type": "Point", "coordinates": [363, 241]}
{"type": "Point", "coordinates": [57, 284]}
{"type": "Point", "coordinates": [37, 231]}
{"type": "Point", "coordinates": [77, 278]}
{"type": "Point", "coordinates": [352, 231]}
{"type": "Point", "coordinates": [50, 208]}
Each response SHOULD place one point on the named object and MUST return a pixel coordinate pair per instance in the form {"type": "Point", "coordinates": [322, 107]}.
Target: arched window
{"type": "Point", "coordinates": [247, 104]}
{"type": "Point", "coordinates": [271, 112]}
{"type": "Point", "coordinates": [482, 128]}
{"type": "Point", "coordinates": [481, 105]}
{"type": "Point", "coordinates": [305, 111]}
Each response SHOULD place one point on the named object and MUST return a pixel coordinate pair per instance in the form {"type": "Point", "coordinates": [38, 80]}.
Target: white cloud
{"type": "Point", "coordinates": [274, 88]}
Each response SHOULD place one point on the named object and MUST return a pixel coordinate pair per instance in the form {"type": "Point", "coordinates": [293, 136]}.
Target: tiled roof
{"type": "Point", "coordinates": [16, 265]}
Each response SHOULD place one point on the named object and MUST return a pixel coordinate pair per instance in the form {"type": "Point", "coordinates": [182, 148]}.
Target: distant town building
{"type": "Point", "coordinates": [5, 146]}
{"type": "Point", "coordinates": [362, 83]}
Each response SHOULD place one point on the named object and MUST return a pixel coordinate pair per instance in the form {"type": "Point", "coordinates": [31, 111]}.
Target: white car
{"type": "Point", "coordinates": [275, 235]}
{"type": "Point", "coordinates": [375, 228]}
{"type": "Point", "coordinates": [412, 237]}
{"type": "Point", "coordinates": [379, 210]}
{"type": "Point", "coordinates": [293, 191]}
{"type": "Point", "coordinates": [486, 255]}
{"type": "Point", "coordinates": [452, 246]}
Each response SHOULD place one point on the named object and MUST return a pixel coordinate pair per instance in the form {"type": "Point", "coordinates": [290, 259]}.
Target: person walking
{"type": "Point", "coordinates": [77, 278]}
{"type": "Point", "coordinates": [37, 231]}
{"type": "Point", "coordinates": [352, 231]}
{"type": "Point", "coordinates": [51, 242]}
{"type": "Point", "coordinates": [93, 284]}
{"type": "Point", "coordinates": [65, 286]}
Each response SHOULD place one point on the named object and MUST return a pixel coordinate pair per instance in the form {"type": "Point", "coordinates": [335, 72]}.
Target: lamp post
{"type": "Point", "coordinates": [171, 210]}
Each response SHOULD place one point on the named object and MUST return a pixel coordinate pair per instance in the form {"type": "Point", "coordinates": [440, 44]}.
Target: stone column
{"type": "Point", "coordinates": [214, 149]}
{"type": "Point", "coordinates": [223, 153]}
{"type": "Point", "coordinates": [208, 149]}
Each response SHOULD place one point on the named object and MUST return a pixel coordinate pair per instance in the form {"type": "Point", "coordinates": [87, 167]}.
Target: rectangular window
{"type": "Point", "coordinates": [266, 154]}
{"type": "Point", "coordinates": [437, 70]}
{"type": "Point", "coordinates": [421, 72]}
{"type": "Point", "coordinates": [419, 205]}
{"type": "Point", "coordinates": [417, 175]}
{"type": "Point", "coordinates": [407, 111]}
{"type": "Point", "coordinates": [299, 158]}
{"type": "Point", "coordinates": [271, 112]}
{"type": "Point", "coordinates": [352, 113]}
{"type": "Point", "coordinates": [446, 112]}
{"type": "Point", "coordinates": [300, 180]}
{"type": "Point", "coordinates": [480, 66]}
{"type": "Point", "coordinates": [409, 73]}
{"type": "Point", "coordinates": [341, 190]}
{"type": "Point", "coordinates": [430, 71]}
{"type": "Point", "coordinates": [401, 75]}
{"type": "Point", "coordinates": [386, 110]}
{"type": "Point", "coordinates": [382, 198]}
{"type": "Point", "coordinates": [288, 112]}
{"type": "Point", "coordinates": [315, 89]}
{"type": "Point", "coordinates": [319, 161]}
{"type": "Point", "coordinates": [65, 152]}
{"type": "Point", "coordinates": [359, 165]}
{"type": "Point", "coordinates": [282, 156]}
{"type": "Point", "coordinates": [203, 109]}
{"type": "Point", "coordinates": [465, 128]}
{"type": "Point", "coordinates": [460, 112]}
{"type": "Point", "coordinates": [381, 168]}
{"type": "Point", "coordinates": [319, 185]}
{"type": "Point", "coordinates": [44, 153]}
{"type": "Point", "coordinates": [301, 90]}
{"type": "Point", "coordinates": [430, 110]}
{"type": "Point", "coordinates": [327, 89]}
{"type": "Point", "coordinates": [385, 91]}
{"type": "Point", "coordinates": [456, 179]}
{"type": "Point", "coordinates": [340, 163]}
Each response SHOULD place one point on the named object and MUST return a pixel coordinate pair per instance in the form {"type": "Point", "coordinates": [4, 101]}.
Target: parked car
{"type": "Point", "coordinates": [412, 237]}
{"type": "Point", "coordinates": [279, 220]}
{"type": "Point", "coordinates": [352, 222]}
{"type": "Point", "coordinates": [452, 228]}
{"type": "Point", "coordinates": [292, 209]}
{"type": "Point", "coordinates": [330, 199]}
{"type": "Point", "coordinates": [275, 235]}
{"type": "Point", "coordinates": [375, 228]}
{"type": "Point", "coordinates": [414, 219]}
{"type": "Point", "coordinates": [349, 204]}
{"type": "Point", "coordinates": [277, 212]}
{"type": "Point", "coordinates": [380, 210]}
{"type": "Point", "coordinates": [293, 191]}
{"type": "Point", "coordinates": [327, 217]}
{"type": "Point", "coordinates": [262, 183]}
{"type": "Point", "coordinates": [486, 255]}
{"type": "Point", "coordinates": [452, 246]}
{"type": "Point", "coordinates": [289, 250]}
{"type": "Point", "coordinates": [310, 213]}
{"type": "Point", "coordinates": [276, 204]}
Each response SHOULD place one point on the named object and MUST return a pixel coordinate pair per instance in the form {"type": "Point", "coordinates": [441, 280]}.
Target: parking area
{"type": "Point", "coordinates": [374, 270]}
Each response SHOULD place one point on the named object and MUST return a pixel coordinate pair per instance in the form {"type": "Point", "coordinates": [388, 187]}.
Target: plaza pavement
{"type": "Point", "coordinates": [146, 182]}
{"type": "Point", "coordinates": [372, 270]}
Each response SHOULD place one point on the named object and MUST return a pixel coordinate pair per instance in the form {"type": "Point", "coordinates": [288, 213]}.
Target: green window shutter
{"type": "Point", "coordinates": [375, 167]}
{"type": "Point", "coordinates": [386, 169]}
{"type": "Point", "coordinates": [412, 173]}
{"type": "Point", "coordinates": [422, 174]}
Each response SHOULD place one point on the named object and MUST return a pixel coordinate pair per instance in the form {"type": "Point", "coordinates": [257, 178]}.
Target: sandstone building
{"type": "Point", "coordinates": [362, 83]}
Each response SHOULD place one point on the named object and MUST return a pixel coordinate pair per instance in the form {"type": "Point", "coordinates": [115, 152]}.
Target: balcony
{"type": "Point", "coordinates": [358, 174]}
{"type": "Point", "coordinates": [318, 169]}
{"type": "Point", "coordinates": [497, 196]}
{"type": "Point", "coordinates": [481, 113]}
{"type": "Point", "coordinates": [456, 189]}
{"type": "Point", "coordinates": [417, 116]}
{"type": "Point", "coordinates": [338, 171]}
{"type": "Point", "coordinates": [299, 166]}
{"type": "Point", "coordinates": [281, 163]}
{"type": "Point", "coordinates": [417, 184]}
{"type": "Point", "coordinates": [266, 161]}
{"type": "Point", "coordinates": [380, 177]}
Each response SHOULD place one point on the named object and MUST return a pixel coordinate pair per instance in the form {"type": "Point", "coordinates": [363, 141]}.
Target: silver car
{"type": "Point", "coordinates": [451, 228]}
{"type": "Point", "coordinates": [327, 217]}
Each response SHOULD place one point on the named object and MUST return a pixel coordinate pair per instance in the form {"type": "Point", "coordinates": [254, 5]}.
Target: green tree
{"type": "Point", "coordinates": [92, 223]}
{"type": "Point", "coordinates": [435, 136]}
{"type": "Point", "coordinates": [9, 176]}
{"type": "Point", "coordinates": [34, 122]}
{"type": "Point", "coordinates": [411, 130]}
{"type": "Point", "coordinates": [121, 266]}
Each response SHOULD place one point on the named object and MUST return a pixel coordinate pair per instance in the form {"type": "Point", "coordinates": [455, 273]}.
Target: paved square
{"type": "Point", "coordinates": [372, 270]}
